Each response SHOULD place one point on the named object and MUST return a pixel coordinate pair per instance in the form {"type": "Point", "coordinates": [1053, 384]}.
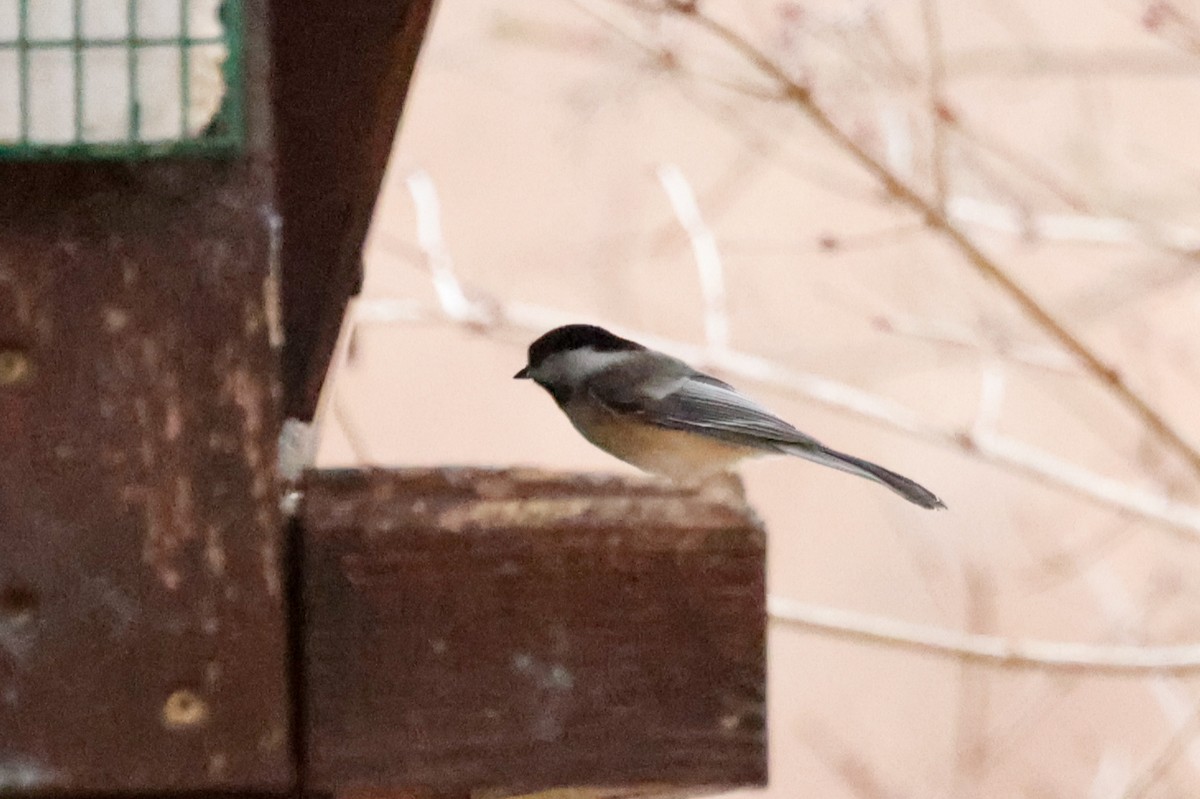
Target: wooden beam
{"type": "Point", "coordinates": [512, 631]}
{"type": "Point", "coordinates": [142, 629]}
{"type": "Point", "coordinates": [342, 71]}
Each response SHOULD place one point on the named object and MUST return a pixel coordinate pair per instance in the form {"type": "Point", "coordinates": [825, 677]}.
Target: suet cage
{"type": "Point", "coordinates": [105, 79]}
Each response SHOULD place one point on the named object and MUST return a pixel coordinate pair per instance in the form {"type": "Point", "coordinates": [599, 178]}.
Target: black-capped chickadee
{"type": "Point", "coordinates": [664, 417]}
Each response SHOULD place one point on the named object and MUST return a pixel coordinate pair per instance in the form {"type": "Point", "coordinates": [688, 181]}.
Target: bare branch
{"type": "Point", "coordinates": [960, 336]}
{"type": "Point", "coordinates": [429, 236]}
{"type": "Point", "coordinates": [896, 132]}
{"type": "Point", "coordinates": [1171, 750]}
{"type": "Point", "coordinates": [1174, 698]}
{"type": "Point", "coordinates": [989, 447]}
{"type": "Point", "coordinates": [704, 250]}
{"type": "Point", "coordinates": [1168, 21]}
{"type": "Point", "coordinates": [991, 400]}
{"type": "Point", "coordinates": [1106, 490]}
{"type": "Point", "coordinates": [936, 100]}
{"type": "Point", "coordinates": [1039, 62]}
{"type": "Point", "coordinates": [802, 98]}
{"type": "Point", "coordinates": [982, 442]}
{"type": "Point", "coordinates": [987, 650]}
{"type": "Point", "coordinates": [1076, 228]}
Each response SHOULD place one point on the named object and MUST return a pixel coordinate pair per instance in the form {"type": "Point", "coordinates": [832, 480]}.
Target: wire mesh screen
{"type": "Point", "coordinates": [119, 78]}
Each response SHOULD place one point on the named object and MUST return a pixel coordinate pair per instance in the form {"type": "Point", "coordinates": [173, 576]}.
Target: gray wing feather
{"type": "Point", "coordinates": [680, 398]}
{"type": "Point", "coordinates": [707, 405]}
{"type": "Point", "coordinates": [671, 394]}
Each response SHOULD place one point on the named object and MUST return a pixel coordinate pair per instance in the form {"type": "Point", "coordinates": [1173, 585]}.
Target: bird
{"type": "Point", "coordinates": [659, 414]}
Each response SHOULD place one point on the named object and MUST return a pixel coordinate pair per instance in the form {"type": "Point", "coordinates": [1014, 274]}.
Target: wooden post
{"type": "Point", "coordinates": [142, 627]}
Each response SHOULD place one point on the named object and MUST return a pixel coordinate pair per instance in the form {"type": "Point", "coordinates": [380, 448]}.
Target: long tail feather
{"type": "Point", "coordinates": [909, 489]}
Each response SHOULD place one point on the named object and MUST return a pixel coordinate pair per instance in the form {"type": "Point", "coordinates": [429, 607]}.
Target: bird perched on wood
{"type": "Point", "coordinates": [664, 417]}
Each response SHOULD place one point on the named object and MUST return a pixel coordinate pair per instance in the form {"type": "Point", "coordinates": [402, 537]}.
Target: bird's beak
{"type": "Point", "coordinates": [522, 375]}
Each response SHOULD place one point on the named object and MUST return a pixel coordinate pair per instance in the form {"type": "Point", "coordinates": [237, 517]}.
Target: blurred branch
{"type": "Point", "coordinates": [1079, 228]}
{"type": "Point", "coordinates": [704, 250]}
{"type": "Point", "coordinates": [1032, 61]}
{"type": "Point", "coordinates": [660, 54]}
{"type": "Point", "coordinates": [1004, 653]}
{"type": "Point", "coordinates": [802, 98]}
{"type": "Point", "coordinates": [490, 315]}
{"type": "Point", "coordinates": [1170, 22]}
{"type": "Point", "coordinates": [1174, 697]}
{"type": "Point", "coordinates": [937, 105]}
{"type": "Point", "coordinates": [450, 295]}
{"type": "Point", "coordinates": [1088, 224]}
{"type": "Point", "coordinates": [961, 336]}
{"type": "Point", "coordinates": [1168, 753]}
{"type": "Point", "coordinates": [846, 760]}
{"type": "Point", "coordinates": [972, 734]}
{"type": "Point", "coordinates": [987, 446]}
{"type": "Point", "coordinates": [987, 144]}
{"type": "Point", "coordinates": [452, 302]}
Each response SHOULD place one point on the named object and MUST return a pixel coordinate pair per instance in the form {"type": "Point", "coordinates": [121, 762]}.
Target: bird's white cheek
{"type": "Point", "coordinates": [578, 365]}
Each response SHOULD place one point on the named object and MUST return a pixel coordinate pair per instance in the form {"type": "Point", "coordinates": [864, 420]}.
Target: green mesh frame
{"type": "Point", "coordinates": [130, 79]}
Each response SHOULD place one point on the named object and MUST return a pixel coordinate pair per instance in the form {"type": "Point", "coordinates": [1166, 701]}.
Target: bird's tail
{"type": "Point", "coordinates": [910, 490]}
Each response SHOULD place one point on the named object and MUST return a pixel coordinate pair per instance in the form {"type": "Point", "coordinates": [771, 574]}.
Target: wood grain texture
{"type": "Point", "coordinates": [342, 71]}
{"type": "Point", "coordinates": [142, 630]}
{"type": "Point", "coordinates": [512, 631]}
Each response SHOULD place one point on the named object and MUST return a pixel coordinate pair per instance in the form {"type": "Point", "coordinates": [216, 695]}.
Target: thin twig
{"type": "Point", "coordinates": [1074, 228]}
{"type": "Point", "coordinates": [1171, 750]}
{"type": "Point", "coordinates": [1109, 491]}
{"type": "Point", "coordinates": [1089, 223]}
{"type": "Point", "coordinates": [971, 734]}
{"type": "Point", "coordinates": [429, 236]}
{"type": "Point", "coordinates": [849, 761]}
{"type": "Point", "coordinates": [987, 650]}
{"type": "Point", "coordinates": [991, 447]}
{"type": "Point", "coordinates": [984, 444]}
{"type": "Point", "coordinates": [991, 400]}
{"type": "Point", "coordinates": [802, 98]}
{"type": "Point", "coordinates": [1174, 698]}
{"type": "Point", "coordinates": [1096, 62]}
{"type": "Point", "coordinates": [1170, 23]}
{"type": "Point", "coordinates": [950, 334]}
{"type": "Point", "coordinates": [704, 250]}
{"type": "Point", "coordinates": [660, 55]}
{"type": "Point", "coordinates": [936, 100]}
{"type": "Point", "coordinates": [1012, 162]}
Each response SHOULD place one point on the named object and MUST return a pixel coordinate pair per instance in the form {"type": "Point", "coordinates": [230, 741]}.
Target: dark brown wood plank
{"type": "Point", "coordinates": [516, 630]}
{"type": "Point", "coordinates": [142, 629]}
{"type": "Point", "coordinates": [342, 71]}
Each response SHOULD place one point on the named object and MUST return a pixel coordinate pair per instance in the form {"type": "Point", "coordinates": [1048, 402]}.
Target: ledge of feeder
{"type": "Point", "coordinates": [515, 630]}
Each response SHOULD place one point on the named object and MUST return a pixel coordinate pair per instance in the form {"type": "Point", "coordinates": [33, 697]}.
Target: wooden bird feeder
{"type": "Point", "coordinates": [165, 629]}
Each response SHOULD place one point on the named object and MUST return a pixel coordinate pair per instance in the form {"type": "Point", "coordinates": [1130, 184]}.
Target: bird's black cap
{"type": "Point", "coordinates": [575, 337]}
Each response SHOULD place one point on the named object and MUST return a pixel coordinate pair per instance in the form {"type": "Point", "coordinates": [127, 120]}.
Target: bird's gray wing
{"type": "Point", "coordinates": [680, 398]}
{"type": "Point", "coordinates": [675, 396]}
